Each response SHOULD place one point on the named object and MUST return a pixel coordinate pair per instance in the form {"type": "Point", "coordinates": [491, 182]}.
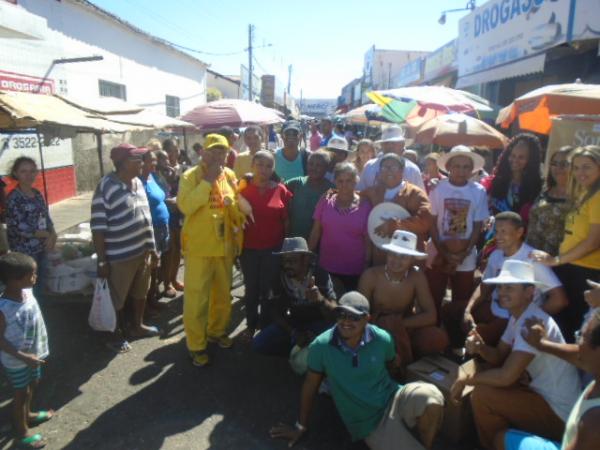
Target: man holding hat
{"type": "Point", "coordinates": [355, 357]}
{"type": "Point", "coordinates": [302, 304]}
{"type": "Point", "coordinates": [210, 241]}
{"type": "Point", "coordinates": [392, 141]}
{"type": "Point", "coordinates": [528, 390]}
{"type": "Point", "coordinates": [401, 302]}
{"type": "Point", "coordinates": [290, 161]}
{"type": "Point", "coordinates": [124, 239]}
{"type": "Point", "coordinates": [459, 208]}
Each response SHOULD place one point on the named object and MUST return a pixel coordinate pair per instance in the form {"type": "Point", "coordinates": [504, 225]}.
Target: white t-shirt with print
{"type": "Point", "coordinates": [543, 274]}
{"type": "Point", "coordinates": [456, 208]}
{"type": "Point", "coordinates": [554, 379]}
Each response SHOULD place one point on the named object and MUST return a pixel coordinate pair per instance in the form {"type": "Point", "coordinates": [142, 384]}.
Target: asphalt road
{"type": "Point", "coordinates": [153, 398]}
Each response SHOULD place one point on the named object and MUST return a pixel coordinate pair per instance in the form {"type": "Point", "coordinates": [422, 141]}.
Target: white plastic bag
{"type": "Point", "coordinates": [102, 315]}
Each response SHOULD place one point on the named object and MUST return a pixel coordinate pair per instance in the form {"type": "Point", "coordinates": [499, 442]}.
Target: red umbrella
{"type": "Point", "coordinates": [231, 112]}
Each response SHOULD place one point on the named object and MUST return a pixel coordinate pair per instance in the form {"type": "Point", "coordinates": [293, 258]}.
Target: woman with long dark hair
{"type": "Point", "coordinates": [547, 215]}
{"type": "Point", "coordinates": [516, 180]}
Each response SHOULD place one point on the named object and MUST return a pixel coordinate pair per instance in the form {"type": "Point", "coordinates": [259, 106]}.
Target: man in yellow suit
{"type": "Point", "coordinates": [211, 238]}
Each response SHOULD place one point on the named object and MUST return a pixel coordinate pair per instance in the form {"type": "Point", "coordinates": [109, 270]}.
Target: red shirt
{"type": "Point", "coordinates": [270, 212]}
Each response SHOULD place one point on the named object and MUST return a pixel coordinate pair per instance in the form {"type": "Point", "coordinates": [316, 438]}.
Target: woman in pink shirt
{"type": "Point", "coordinates": [340, 224]}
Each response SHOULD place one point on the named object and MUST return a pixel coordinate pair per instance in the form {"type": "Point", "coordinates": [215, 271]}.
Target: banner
{"type": "Point", "coordinates": [440, 62]}
{"type": "Point", "coordinates": [503, 31]}
{"type": "Point", "coordinates": [572, 130]}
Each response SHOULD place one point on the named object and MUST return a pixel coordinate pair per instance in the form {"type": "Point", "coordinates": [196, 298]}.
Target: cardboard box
{"type": "Point", "coordinates": [442, 372]}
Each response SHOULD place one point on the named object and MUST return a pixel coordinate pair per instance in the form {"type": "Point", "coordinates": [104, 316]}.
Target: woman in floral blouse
{"type": "Point", "coordinates": [547, 215]}
{"type": "Point", "coordinates": [29, 227]}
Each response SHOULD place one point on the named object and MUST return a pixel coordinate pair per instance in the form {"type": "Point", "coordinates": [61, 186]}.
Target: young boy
{"type": "Point", "coordinates": [459, 208]}
{"type": "Point", "coordinates": [23, 343]}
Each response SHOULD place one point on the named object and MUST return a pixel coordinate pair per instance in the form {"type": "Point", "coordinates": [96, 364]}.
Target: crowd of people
{"type": "Point", "coordinates": [501, 266]}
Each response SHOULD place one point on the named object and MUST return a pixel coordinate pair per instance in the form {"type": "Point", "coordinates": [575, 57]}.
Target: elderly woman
{"type": "Point", "coordinates": [29, 227]}
{"type": "Point", "coordinates": [547, 215]}
{"type": "Point", "coordinates": [340, 226]}
{"type": "Point", "coordinates": [160, 220]}
{"type": "Point", "coordinates": [263, 236]}
{"type": "Point", "coordinates": [307, 192]}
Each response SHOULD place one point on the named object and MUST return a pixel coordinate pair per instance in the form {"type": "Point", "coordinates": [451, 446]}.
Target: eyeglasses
{"type": "Point", "coordinates": [560, 164]}
{"type": "Point", "coordinates": [345, 315]}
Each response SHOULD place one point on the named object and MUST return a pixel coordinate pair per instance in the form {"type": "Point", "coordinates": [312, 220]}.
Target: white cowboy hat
{"type": "Point", "coordinates": [393, 133]}
{"type": "Point", "coordinates": [404, 243]}
{"type": "Point", "coordinates": [337, 143]}
{"type": "Point", "coordinates": [461, 150]}
{"type": "Point", "coordinates": [378, 215]}
{"type": "Point", "coordinates": [515, 272]}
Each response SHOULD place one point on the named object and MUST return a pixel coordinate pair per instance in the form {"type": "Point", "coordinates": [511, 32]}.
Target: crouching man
{"type": "Point", "coordinates": [355, 356]}
{"type": "Point", "coordinates": [528, 390]}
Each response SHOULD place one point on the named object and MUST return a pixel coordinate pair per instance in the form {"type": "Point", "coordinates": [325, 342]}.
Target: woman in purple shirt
{"type": "Point", "coordinates": [340, 224]}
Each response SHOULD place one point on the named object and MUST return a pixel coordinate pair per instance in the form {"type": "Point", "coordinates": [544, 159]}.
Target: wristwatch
{"type": "Point", "coordinates": [300, 427]}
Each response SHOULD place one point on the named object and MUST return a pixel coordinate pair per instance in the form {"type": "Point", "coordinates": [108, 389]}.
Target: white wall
{"type": "Point", "coordinates": [149, 69]}
{"type": "Point", "coordinates": [228, 88]}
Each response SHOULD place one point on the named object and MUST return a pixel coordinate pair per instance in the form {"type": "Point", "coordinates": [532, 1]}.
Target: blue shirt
{"type": "Point", "coordinates": [285, 169]}
{"type": "Point", "coordinates": [156, 200]}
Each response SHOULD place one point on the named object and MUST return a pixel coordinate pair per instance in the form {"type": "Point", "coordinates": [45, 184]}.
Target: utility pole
{"type": "Point", "coordinates": [289, 86]}
{"type": "Point", "coordinates": [250, 68]}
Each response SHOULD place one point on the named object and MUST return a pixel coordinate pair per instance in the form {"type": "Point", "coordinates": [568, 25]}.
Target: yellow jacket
{"type": "Point", "coordinates": [213, 223]}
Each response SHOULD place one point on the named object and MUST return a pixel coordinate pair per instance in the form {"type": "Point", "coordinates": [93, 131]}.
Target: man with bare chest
{"type": "Point", "coordinates": [401, 301]}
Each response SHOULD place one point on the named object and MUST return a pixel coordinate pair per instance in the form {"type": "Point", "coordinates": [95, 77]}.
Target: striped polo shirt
{"type": "Point", "coordinates": [123, 215]}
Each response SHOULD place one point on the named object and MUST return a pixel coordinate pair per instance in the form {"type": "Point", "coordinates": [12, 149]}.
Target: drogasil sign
{"type": "Point", "coordinates": [23, 83]}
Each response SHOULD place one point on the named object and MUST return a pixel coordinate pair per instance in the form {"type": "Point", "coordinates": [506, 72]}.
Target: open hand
{"type": "Point", "coordinates": [542, 258]}
{"type": "Point", "coordinates": [387, 228]}
{"type": "Point", "coordinates": [288, 432]}
{"type": "Point", "coordinates": [31, 360]}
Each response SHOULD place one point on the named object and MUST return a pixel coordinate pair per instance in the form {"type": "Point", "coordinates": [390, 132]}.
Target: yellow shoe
{"type": "Point", "coordinates": [222, 341]}
{"type": "Point", "coordinates": [199, 359]}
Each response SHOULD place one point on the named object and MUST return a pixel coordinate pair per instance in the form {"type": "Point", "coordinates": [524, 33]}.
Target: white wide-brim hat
{"type": "Point", "coordinates": [404, 243]}
{"type": "Point", "coordinates": [337, 144]}
{"type": "Point", "coordinates": [515, 272]}
{"type": "Point", "coordinates": [393, 133]}
{"type": "Point", "coordinates": [461, 150]}
{"type": "Point", "coordinates": [382, 212]}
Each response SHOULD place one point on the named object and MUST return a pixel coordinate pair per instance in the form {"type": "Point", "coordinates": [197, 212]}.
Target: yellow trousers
{"type": "Point", "coordinates": [206, 298]}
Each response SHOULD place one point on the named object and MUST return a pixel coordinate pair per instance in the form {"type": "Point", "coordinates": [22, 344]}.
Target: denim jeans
{"type": "Point", "coordinates": [275, 341]}
{"type": "Point", "coordinates": [260, 268]}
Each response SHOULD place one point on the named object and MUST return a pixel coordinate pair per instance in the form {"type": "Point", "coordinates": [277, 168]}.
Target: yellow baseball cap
{"type": "Point", "coordinates": [215, 140]}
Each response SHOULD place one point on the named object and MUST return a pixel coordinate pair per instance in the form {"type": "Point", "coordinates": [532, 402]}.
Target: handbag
{"type": "Point", "coordinates": [102, 315]}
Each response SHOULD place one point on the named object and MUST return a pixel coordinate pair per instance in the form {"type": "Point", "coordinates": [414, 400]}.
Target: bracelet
{"type": "Point", "coordinates": [299, 427]}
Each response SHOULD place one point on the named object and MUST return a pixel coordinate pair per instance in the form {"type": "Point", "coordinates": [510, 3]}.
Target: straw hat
{"type": "Point", "coordinates": [461, 150]}
{"type": "Point", "coordinates": [404, 243]}
{"type": "Point", "coordinates": [393, 133]}
{"type": "Point", "coordinates": [515, 272]}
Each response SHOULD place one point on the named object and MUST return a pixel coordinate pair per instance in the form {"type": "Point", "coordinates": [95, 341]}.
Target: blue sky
{"type": "Point", "coordinates": [325, 41]}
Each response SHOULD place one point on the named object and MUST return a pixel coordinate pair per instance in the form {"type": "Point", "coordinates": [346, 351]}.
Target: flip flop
{"type": "Point", "coordinates": [119, 347]}
{"type": "Point", "coordinates": [151, 331]}
{"type": "Point", "coordinates": [32, 442]}
{"type": "Point", "coordinates": [42, 416]}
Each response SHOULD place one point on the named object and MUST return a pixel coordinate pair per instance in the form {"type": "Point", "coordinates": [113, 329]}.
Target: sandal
{"type": "Point", "coordinates": [149, 331]}
{"type": "Point", "coordinates": [42, 416]}
{"type": "Point", "coordinates": [32, 442]}
{"type": "Point", "coordinates": [119, 347]}
{"type": "Point", "coordinates": [170, 292]}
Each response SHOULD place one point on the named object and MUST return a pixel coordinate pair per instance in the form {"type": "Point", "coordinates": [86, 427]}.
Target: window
{"type": "Point", "coordinates": [172, 104]}
{"type": "Point", "coordinates": [110, 89]}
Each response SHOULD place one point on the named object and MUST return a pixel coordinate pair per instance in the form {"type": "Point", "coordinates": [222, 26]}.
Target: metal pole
{"type": "Point", "coordinates": [250, 68]}
{"type": "Point", "coordinates": [99, 150]}
{"type": "Point", "coordinates": [39, 139]}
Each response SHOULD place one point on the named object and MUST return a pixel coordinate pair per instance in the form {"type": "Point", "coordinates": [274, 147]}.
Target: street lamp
{"type": "Point", "coordinates": [76, 60]}
{"type": "Point", "coordinates": [469, 7]}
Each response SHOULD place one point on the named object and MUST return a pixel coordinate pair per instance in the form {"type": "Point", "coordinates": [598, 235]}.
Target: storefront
{"type": "Point", "coordinates": [441, 66]}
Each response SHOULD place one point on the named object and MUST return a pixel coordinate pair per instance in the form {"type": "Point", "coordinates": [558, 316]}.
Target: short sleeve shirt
{"type": "Point", "coordinates": [270, 210]}
{"type": "Point", "coordinates": [577, 229]}
{"type": "Point", "coordinates": [343, 245]}
{"type": "Point", "coordinates": [543, 274]}
{"type": "Point", "coordinates": [368, 178]}
{"type": "Point", "coordinates": [360, 383]}
{"type": "Point", "coordinates": [456, 209]}
{"type": "Point", "coordinates": [286, 169]}
{"type": "Point", "coordinates": [302, 206]}
{"type": "Point", "coordinates": [554, 379]}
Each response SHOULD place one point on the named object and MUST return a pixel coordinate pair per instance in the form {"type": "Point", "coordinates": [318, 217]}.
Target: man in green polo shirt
{"type": "Point", "coordinates": [356, 357]}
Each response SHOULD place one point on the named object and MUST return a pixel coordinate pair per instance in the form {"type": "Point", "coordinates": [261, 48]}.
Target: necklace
{"type": "Point", "coordinates": [392, 280]}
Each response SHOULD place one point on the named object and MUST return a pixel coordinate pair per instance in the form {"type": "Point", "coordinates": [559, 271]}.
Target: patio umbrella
{"type": "Point", "coordinates": [365, 114]}
{"type": "Point", "coordinates": [449, 130]}
{"type": "Point", "coordinates": [418, 104]}
{"type": "Point", "coordinates": [231, 112]}
{"type": "Point", "coordinates": [535, 109]}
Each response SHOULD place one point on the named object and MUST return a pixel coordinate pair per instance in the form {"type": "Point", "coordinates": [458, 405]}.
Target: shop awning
{"type": "Point", "coordinates": [510, 70]}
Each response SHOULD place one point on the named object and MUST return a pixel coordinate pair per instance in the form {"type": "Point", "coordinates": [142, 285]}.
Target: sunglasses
{"type": "Point", "coordinates": [345, 315]}
{"type": "Point", "coordinates": [560, 164]}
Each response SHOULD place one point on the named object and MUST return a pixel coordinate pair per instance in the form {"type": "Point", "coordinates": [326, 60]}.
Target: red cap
{"type": "Point", "coordinates": [123, 151]}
